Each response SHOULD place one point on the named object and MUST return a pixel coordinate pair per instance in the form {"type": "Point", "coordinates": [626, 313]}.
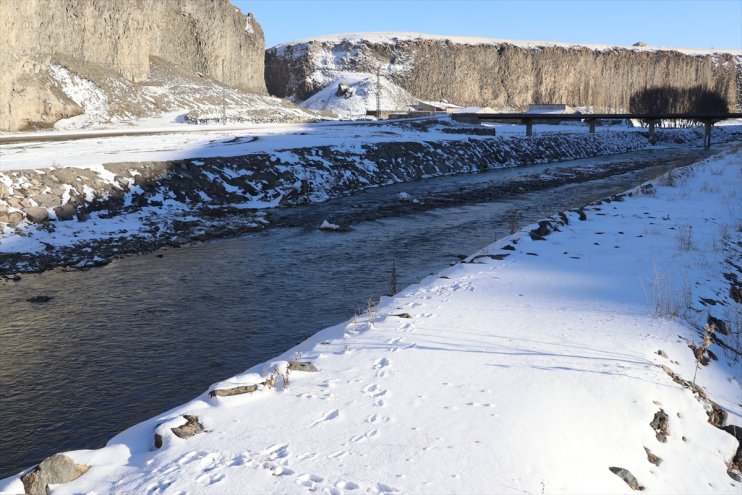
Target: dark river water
{"type": "Point", "coordinates": [121, 343]}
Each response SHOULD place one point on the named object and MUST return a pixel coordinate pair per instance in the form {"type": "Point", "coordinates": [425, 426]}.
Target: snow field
{"type": "Point", "coordinates": [534, 372]}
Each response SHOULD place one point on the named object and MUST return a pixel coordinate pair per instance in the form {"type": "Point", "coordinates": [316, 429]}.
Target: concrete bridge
{"type": "Point", "coordinates": [592, 119]}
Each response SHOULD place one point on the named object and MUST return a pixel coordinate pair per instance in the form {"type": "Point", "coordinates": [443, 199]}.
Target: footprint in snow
{"type": "Point", "coordinates": [210, 462]}
{"type": "Point", "coordinates": [347, 485]}
{"type": "Point", "coordinates": [191, 456]}
{"type": "Point", "coordinates": [160, 487]}
{"type": "Point", "coordinates": [240, 460]}
{"type": "Point", "coordinates": [381, 363]}
{"type": "Point", "coordinates": [382, 488]}
{"type": "Point", "coordinates": [327, 417]}
{"type": "Point", "coordinates": [210, 479]}
{"type": "Point", "coordinates": [309, 481]}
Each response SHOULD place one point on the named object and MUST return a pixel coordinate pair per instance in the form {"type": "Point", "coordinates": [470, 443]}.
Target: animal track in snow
{"type": "Point", "coordinates": [374, 391]}
{"type": "Point", "coordinates": [364, 436]}
{"type": "Point", "coordinates": [327, 417]}
{"type": "Point", "coordinates": [347, 485]}
{"type": "Point", "coordinates": [309, 481]}
{"type": "Point", "coordinates": [210, 479]}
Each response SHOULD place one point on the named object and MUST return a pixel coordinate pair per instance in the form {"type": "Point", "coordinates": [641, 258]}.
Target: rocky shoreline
{"type": "Point", "coordinates": [179, 202]}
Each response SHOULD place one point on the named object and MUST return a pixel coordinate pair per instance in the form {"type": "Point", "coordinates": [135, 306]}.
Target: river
{"type": "Point", "coordinates": [121, 343]}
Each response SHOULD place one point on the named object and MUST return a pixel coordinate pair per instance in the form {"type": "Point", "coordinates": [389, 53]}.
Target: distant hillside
{"type": "Point", "coordinates": [211, 37]}
{"type": "Point", "coordinates": [500, 73]}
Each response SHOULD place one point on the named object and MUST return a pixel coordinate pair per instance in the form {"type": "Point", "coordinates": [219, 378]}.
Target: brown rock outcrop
{"type": "Point", "coordinates": [208, 36]}
{"type": "Point", "coordinates": [497, 73]}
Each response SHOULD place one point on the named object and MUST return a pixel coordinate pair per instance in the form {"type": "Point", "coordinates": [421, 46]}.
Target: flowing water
{"type": "Point", "coordinates": [121, 343]}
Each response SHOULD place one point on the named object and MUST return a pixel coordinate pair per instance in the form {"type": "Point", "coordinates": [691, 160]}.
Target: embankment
{"type": "Point", "coordinates": [180, 201]}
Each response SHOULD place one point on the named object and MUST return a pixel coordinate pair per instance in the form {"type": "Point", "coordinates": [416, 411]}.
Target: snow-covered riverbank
{"type": "Point", "coordinates": [86, 214]}
{"type": "Point", "coordinates": [550, 362]}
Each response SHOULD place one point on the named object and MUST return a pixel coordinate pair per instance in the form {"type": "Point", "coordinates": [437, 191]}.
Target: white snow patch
{"type": "Point", "coordinates": [83, 92]}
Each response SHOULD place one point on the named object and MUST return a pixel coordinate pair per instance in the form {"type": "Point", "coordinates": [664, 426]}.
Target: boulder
{"type": "Point", "coordinates": [65, 212]}
{"type": "Point", "coordinates": [331, 227]}
{"type": "Point", "coordinates": [720, 325]}
{"type": "Point", "coordinates": [53, 470]}
{"type": "Point", "coordinates": [302, 366]}
{"type": "Point", "coordinates": [626, 475]}
{"type": "Point", "coordinates": [652, 458]}
{"type": "Point", "coordinates": [39, 299]}
{"type": "Point", "coordinates": [660, 424]}
{"type": "Point", "coordinates": [342, 89]}
{"type": "Point", "coordinates": [14, 218]}
{"type": "Point", "coordinates": [226, 392]}
{"type": "Point", "coordinates": [47, 200]}
{"type": "Point", "coordinates": [192, 427]}
{"type": "Point", "coordinates": [36, 214]}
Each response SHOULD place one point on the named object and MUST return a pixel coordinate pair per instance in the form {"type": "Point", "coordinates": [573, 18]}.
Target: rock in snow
{"type": "Point", "coordinates": [51, 471]}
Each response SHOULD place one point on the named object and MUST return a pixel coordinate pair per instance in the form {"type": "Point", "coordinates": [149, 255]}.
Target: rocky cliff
{"type": "Point", "coordinates": [211, 37]}
{"type": "Point", "coordinates": [498, 73]}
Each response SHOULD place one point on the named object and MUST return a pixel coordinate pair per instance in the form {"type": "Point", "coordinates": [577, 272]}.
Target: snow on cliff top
{"type": "Point", "coordinates": [393, 37]}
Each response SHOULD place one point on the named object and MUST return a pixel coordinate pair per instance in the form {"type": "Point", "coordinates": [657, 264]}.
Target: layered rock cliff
{"type": "Point", "coordinates": [211, 37]}
{"type": "Point", "coordinates": [498, 73]}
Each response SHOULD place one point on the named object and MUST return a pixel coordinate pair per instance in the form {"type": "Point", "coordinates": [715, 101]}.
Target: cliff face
{"type": "Point", "coordinates": [207, 36]}
{"type": "Point", "coordinates": [469, 71]}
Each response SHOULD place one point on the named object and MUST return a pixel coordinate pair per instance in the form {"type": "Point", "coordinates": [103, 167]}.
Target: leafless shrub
{"type": "Point", "coordinates": [725, 236]}
{"type": "Point", "coordinates": [272, 379]}
{"type": "Point", "coordinates": [393, 279]}
{"type": "Point", "coordinates": [685, 237]}
{"type": "Point", "coordinates": [513, 217]}
{"type": "Point", "coordinates": [665, 301]}
{"type": "Point", "coordinates": [701, 351]}
{"type": "Point", "coordinates": [371, 312]}
{"type": "Point", "coordinates": [708, 188]}
{"type": "Point", "coordinates": [648, 190]}
{"type": "Point", "coordinates": [733, 318]}
{"type": "Point", "coordinates": [669, 179]}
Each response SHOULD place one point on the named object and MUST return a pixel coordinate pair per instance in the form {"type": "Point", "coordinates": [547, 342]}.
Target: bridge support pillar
{"type": "Point", "coordinates": [529, 127]}
{"type": "Point", "coordinates": [651, 130]}
{"type": "Point", "coordinates": [591, 124]}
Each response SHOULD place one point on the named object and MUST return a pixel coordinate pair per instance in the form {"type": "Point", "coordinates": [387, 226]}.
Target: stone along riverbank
{"type": "Point", "coordinates": [80, 217]}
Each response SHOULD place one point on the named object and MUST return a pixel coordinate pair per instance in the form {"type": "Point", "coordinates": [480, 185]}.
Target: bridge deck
{"type": "Point", "coordinates": [717, 117]}
{"type": "Point", "coordinates": [528, 119]}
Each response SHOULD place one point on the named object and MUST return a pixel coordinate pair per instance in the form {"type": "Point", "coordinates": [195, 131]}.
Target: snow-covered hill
{"type": "Point", "coordinates": [350, 94]}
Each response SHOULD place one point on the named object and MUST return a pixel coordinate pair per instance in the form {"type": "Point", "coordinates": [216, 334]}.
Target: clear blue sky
{"type": "Point", "coordinates": [673, 23]}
